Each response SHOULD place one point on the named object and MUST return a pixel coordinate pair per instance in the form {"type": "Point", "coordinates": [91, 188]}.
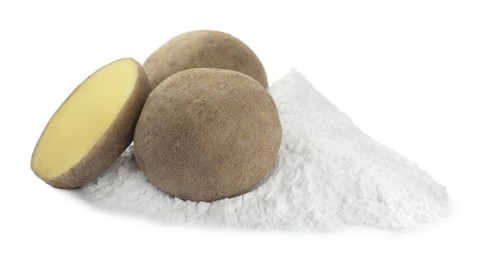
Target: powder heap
{"type": "Point", "coordinates": [329, 174]}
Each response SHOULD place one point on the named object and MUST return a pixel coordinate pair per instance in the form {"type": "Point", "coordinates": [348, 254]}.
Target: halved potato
{"type": "Point", "coordinates": [93, 126]}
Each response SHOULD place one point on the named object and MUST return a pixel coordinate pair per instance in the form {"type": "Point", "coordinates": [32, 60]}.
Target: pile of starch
{"type": "Point", "coordinates": [329, 174]}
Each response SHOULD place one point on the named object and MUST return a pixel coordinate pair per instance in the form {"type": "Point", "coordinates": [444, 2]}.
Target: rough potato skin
{"type": "Point", "coordinates": [203, 49]}
{"type": "Point", "coordinates": [111, 145]}
{"type": "Point", "coordinates": [206, 134]}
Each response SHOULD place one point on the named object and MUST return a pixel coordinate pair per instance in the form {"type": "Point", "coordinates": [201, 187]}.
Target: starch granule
{"type": "Point", "coordinates": [329, 174]}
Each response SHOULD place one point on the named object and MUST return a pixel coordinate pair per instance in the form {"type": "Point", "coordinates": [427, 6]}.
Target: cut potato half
{"type": "Point", "coordinates": [93, 126]}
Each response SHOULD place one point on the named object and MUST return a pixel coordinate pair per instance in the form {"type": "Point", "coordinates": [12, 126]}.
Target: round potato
{"type": "Point", "coordinates": [92, 127]}
{"type": "Point", "coordinates": [206, 134]}
{"type": "Point", "coordinates": [203, 49]}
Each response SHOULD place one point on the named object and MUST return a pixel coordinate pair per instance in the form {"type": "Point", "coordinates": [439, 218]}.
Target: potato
{"type": "Point", "coordinates": [203, 49]}
{"type": "Point", "coordinates": [93, 126]}
{"type": "Point", "coordinates": [206, 134]}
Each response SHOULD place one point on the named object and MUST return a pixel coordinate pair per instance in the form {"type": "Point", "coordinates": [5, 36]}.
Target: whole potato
{"type": "Point", "coordinates": [207, 134]}
{"type": "Point", "coordinates": [203, 49]}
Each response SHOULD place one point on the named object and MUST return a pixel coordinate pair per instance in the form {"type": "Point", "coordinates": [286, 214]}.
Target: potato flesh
{"type": "Point", "coordinates": [83, 118]}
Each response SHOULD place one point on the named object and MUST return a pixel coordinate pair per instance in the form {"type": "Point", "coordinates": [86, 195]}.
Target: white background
{"type": "Point", "coordinates": [405, 71]}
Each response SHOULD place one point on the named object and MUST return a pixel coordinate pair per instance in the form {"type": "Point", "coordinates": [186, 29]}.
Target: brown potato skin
{"type": "Point", "coordinates": [206, 134]}
{"type": "Point", "coordinates": [111, 145]}
{"type": "Point", "coordinates": [203, 49]}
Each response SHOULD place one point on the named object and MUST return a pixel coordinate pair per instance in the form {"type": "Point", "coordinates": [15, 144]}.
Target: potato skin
{"type": "Point", "coordinates": [207, 134]}
{"type": "Point", "coordinates": [111, 145]}
{"type": "Point", "coordinates": [203, 49]}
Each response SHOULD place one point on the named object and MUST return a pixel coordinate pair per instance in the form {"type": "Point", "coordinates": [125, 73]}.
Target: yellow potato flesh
{"type": "Point", "coordinates": [83, 118]}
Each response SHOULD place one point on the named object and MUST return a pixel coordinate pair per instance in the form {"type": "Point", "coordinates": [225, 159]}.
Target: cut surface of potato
{"type": "Point", "coordinates": [92, 127]}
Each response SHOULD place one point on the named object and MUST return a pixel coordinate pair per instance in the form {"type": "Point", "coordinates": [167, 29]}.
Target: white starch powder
{"type": "Point", "coordinates": [329, 174]}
